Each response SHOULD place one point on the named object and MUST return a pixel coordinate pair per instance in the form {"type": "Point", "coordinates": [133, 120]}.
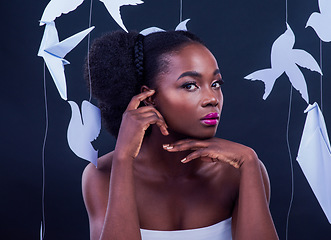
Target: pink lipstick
{"type": "Point", "coordinates": [210, 119]}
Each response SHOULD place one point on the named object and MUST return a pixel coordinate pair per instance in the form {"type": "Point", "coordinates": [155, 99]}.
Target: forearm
{"type": "Point", "coordinates": [253, 216]}
{"type": "Point", "coordinates": [121, 220]}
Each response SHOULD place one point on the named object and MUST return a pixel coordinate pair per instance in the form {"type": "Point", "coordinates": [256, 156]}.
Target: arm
{"type": "Point", "coordinates": [111, 202]}
{"type": "Point", "coordinates": [251, 216]}
{"type": "Point", "coordinates": [95, 187]}
{"type": "Point", "coordinates": [252, 206]}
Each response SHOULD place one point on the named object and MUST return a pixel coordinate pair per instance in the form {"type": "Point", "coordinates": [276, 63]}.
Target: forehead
{"type": "Point", "coordinates": [192, 57]}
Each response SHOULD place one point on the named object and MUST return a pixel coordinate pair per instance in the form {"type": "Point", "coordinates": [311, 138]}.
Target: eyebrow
{"type": "Point", "coordinates": [195, 74]}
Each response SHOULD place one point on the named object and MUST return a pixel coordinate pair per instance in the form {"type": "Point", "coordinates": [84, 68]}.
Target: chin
{"type": "Point", "coordinates": [210, 133]}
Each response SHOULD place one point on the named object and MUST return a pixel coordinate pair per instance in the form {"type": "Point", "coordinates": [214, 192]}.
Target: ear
{"type": "Point", "coordinates": [150, 100]}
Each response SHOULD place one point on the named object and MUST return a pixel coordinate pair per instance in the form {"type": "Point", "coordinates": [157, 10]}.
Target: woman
{"type": "Point", "coordinates": [169, 177]}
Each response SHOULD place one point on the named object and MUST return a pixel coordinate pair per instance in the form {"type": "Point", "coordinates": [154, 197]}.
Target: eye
{"type": "Point", "coordinates": [190, 86]}
{"type": "Point", "coordinates": [217, 84]}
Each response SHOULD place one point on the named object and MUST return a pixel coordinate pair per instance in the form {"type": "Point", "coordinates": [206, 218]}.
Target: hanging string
{"type": "Point", "coordinates": [181, 11]}
{"type": "Point", "coordinates": [88, 52]}
{"type": "Point", "coordinates": [291, 161]}
{"type": "Point", "coordinates": [43, 158]}
{"type": "Point", "coordinates": [321, 76]}
{"type": "Point", "coordinates": [286, 14]}
{"type": "Point", "coordinates": [288, 143]}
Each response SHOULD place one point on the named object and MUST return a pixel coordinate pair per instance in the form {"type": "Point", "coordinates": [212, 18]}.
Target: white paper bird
{"type": "Point", "coordinates": [113, 7]}
{"type": "Point", "coordinates": [55, 8]}
{"type": "Point", "coordinates": [321, 22]}
{"type": "Point", "coordinates": [83, 129]}
{"type": "Point", "coordinates": [180, 27]}
{"type": "Point", "coordinates": [285, 59]}
{"type": "Point", "coordinates": [314, 157]}
{"type": "Point", "coordinates": [54, 51]}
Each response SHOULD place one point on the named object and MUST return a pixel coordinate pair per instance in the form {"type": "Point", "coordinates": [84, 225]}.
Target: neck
{"type": "Point", "coordinates": [161, 162]}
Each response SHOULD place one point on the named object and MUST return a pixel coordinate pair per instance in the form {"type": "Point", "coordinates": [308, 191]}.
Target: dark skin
{"type": "Point", "coordinates": [180, 176]}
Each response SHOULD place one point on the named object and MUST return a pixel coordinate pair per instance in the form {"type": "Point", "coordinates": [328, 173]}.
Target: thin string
{"type": "Point", "coordinates": [288, 144]}
{"type": "Point", "coordinates": [321, 77]}
{"type": "Point", "coordinates": [286, 14]}
{"type": "Point", "coordinates": [181, 11]}
{"type": "Point", "coordinates": [88, 52]}
{"type": "Point", "coordinates": [43, 158]}
{"type": "Point", "coordinates": [291, 161]}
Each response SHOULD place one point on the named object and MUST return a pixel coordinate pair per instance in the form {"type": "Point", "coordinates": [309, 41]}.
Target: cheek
{"type": "Point", "coordinates": [177, 108]}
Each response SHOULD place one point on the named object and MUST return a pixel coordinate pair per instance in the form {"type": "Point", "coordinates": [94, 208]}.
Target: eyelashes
{"type": "Point", "coordinates": [192, 85]}
{"type": "Point", "coordinates": [218, 82]}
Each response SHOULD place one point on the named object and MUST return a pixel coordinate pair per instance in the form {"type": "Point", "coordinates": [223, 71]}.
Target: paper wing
{"type": "Point", "coordinates": [62, 48]}
{"type": "Point", "coordinates": [81, 134]}
{"type": "Point", "coordinates": [91, 119]}
{"type": "Point", "coordinates": [56, 8]}
{"type": "Point", "coordinates": [54, 64]}
{"type": "Point", "coordinates": [50, 38]}
{"type": "Point", "coordinates": [150, 30]}
{"type": "Point", "coordinates": [56, 69]}
{"type": "Point", "coordinates": [305, 60]}
{"type": "Point", "coordinates": [182, 25]}
{"type": "Point", "coordinates": [314, 157]}
{"type": "Point", "coordinates": [113, 7]}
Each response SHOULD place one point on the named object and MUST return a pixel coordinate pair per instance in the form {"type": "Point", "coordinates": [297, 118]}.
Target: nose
{"type": "Point", "coordinates": [211, 98]}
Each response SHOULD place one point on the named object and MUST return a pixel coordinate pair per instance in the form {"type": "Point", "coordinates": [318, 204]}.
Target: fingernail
{"type": "Point", "coordinates": [183, 160]}
{"type": "Point", "coordinates": [167, 146]}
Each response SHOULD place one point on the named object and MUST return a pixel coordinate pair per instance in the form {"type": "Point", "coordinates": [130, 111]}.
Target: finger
{"type": "Point", "coordinates": [151, 109]}
{"type": "Point", "coordinates": [153, 118]}
{"type": "Point", "coordinates": [161, 124]}
{"type": "Point", "coordinates": [206, 156]}
{"type": "Point", "coordinates": [201, 153]}
{"type": "Point", "coordinates": [135, 101]}
{"type": "Point", "coordinates": [185, 145]}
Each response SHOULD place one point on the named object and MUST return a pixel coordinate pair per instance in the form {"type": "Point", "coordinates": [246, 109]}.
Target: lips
{"type": "Point", "coordinates": [210, 119]}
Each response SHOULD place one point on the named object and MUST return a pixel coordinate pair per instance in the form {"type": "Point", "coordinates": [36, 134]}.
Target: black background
{"type": "Point", "coordinates": [239, 33]}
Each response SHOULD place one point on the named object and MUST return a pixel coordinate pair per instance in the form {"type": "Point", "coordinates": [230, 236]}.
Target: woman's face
{"type": "Point", "coordinates": [189, 95]}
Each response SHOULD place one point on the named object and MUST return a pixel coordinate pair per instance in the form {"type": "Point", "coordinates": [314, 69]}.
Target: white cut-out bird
{"type": "Point", "coordinates": [180, 27]}
{"type": "Point", "coordinates": [54, 52]}
{"type": "Point", "coordinates": [113, 7]}
{"type": "Point", "coordinates": [285, 59]}
{"type": "Point", "coordinates": [321, 22]}
{"type": "Point", "coordinates": [55, 8]}
{"type": "Point", "coordinates": [83, 129]}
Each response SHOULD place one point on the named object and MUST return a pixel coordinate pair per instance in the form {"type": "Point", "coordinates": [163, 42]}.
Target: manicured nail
{"type": "Point", "coordinates": [167, 146]}
{"type": "Point", "coordinates": [183, 160]}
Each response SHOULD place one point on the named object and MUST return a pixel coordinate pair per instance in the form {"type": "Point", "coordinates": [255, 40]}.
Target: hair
{"type": "Point", "coordinates": [121, 63]}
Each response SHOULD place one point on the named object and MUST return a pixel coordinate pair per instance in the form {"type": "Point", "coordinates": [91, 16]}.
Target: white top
{"type": "Point", "coordinates": [218, 231]}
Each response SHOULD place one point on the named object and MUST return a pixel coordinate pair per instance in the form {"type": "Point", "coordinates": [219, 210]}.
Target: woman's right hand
{"type": "Point", "coordinates": [135, 122]}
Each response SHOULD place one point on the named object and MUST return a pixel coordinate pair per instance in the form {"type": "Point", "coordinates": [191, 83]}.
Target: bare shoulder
{"type": "Point", "coordinates": [95, 186]}
{"type": "Point", "coordinates": [250, 153]}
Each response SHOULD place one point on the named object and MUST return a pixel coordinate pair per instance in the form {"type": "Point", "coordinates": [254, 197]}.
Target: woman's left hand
{"type": "Point", "coordinates": [214, 150]}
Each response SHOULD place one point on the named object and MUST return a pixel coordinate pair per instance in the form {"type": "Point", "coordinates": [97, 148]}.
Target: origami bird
{"type": "Point", "coordinates": [314, 157]}
{"type": "Point", "coordinates": [285, 59]}
{"type": "Point", "coordinates": [113, 7]}
{"type": "Point", "coordinates": [83, 129]}
{"type": "Point", "coordinates": [56, 8]}
{"type": "Point", "coordinates": [321, 22]}
{"type": "Point", "coordinates": [54, 51]}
